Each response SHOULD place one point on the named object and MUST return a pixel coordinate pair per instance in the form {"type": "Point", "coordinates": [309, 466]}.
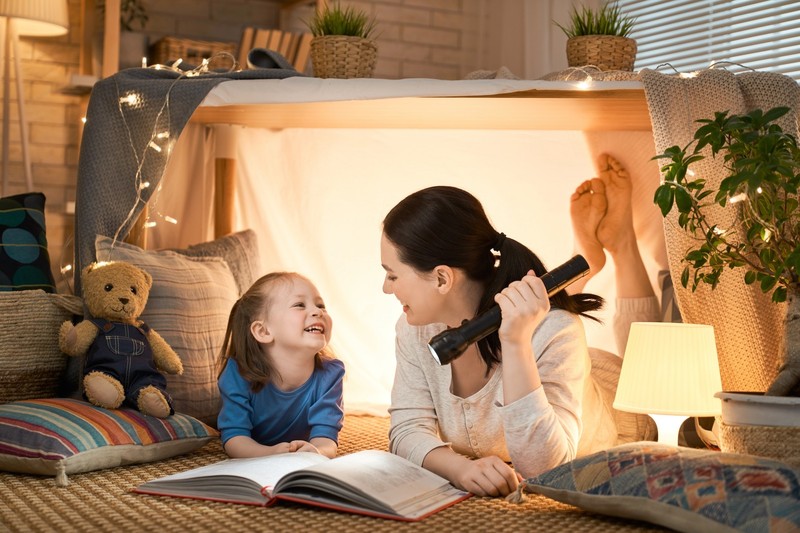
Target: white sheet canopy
{"type": "Point", "coordinates": [316, 198]}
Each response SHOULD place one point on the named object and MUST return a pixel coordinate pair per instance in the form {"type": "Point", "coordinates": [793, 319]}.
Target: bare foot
{"type": "Point", "coordinates": [587, 208]}
{"type": "Point", "coordinates": [616, 227]}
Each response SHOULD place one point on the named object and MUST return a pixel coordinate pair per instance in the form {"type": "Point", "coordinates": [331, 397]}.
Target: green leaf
{"type": "Point", "coordinates": [685, 277]}
{"type": "Point", "coordinates": [749, 277]}
{"type": "Point", "coordinates": [683, 200]}
{"type": "Point", "coordinates": [664, 198]}
{"type": "Point", "coordinates": [779, 295]}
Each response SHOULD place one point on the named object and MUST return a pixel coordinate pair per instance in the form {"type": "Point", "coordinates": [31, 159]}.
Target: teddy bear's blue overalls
{"type": "Point", "coordinates": [123, 352]}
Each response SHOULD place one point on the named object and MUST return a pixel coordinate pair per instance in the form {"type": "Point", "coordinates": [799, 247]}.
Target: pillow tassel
{"type": "Point", "coordinates": [61, 475]}
{"type": "Point", "coordinates": [518, 496]}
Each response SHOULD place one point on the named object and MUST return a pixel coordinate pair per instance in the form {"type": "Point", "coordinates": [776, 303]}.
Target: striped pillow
{"type": "Point", "coordinates": [61, 436]}
{"type": "Point", "coordinates": [189, 305]}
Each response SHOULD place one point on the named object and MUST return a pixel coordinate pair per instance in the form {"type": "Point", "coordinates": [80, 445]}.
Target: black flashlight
{"type": "Point", "coordinates": [452, 342]}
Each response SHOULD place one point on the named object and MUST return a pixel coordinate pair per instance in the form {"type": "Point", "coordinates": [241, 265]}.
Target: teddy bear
{"type": "Point", "coordinates": [124, 357]}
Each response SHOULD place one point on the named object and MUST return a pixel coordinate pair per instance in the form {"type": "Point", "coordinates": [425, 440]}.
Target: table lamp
{"type": "Point", "coordinates": [35, 18]}
{"type": "Point", "coordinates": [670, 371]}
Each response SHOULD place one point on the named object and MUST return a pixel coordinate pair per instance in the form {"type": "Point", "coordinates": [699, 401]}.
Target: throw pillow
{"type": "Point", "coordinates": [189, 305]}
{"type": "Point", "coordinates": [685, 489]}
{"type": "Point", "coordinates": [31, 363]}
{"type": "Point", "coordinates": [24, 259]}
{"type": "Point", "coordinates": [239, 250]}
{"type": "Point", "coordinates": [62, 436]}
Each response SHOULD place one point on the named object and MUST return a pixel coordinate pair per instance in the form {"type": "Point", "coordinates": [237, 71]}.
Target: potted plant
{"type": "Point", "coordinates": [762, 165]}
{"type": "Point", "coordinates": [600, 38]}
{"type": "Point", "coordinates": [342, 46]}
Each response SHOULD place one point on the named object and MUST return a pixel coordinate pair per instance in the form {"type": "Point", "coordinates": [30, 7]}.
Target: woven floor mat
{"type": "Point", "coordinates": [102, 501]}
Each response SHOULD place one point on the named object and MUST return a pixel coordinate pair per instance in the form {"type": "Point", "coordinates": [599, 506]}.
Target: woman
{"type": "Point", "coordinates": [523, 394]}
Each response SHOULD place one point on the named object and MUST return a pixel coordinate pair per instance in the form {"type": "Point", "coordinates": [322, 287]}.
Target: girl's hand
{"type": "Point", "coordinates": [303, 446]}
{"type": "Point", "coordinates": [523, 305]}
{"type": "Point", "coordinates": [488, 476]}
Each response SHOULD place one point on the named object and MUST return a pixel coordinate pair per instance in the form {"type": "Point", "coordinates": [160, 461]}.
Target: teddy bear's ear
{"type": "Point", "coordinates": [147, 278]}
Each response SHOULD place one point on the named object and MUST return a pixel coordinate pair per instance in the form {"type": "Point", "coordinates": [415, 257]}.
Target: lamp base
{"type": "Point", "coordinates": [668, 427]}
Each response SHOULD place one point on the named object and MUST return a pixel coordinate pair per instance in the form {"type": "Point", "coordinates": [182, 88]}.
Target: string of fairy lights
{"type": "Point", "coordinates": [161, 141]}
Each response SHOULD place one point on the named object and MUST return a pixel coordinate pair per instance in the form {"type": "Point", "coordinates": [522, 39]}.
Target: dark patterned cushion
{"type": "Point", "coordinates": [24, 260]}
{"type": "Point", "coordinates": [685, 489]}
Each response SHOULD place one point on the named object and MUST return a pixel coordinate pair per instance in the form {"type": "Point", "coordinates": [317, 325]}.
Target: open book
{"type": "Point", "coordinates": [370, 482]}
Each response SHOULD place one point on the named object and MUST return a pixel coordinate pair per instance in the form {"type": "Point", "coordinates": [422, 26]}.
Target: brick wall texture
{"type": "Point", "coordinates": [415, 38]}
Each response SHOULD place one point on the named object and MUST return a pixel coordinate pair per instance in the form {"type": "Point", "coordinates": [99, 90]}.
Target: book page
{"type": "Point", "coordinates": [264, 471]}
{"type": "Point", "coordinates": [392, 480]}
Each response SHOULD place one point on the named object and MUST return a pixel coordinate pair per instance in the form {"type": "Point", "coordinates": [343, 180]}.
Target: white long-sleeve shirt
{"type": "Point", "coordinates": [568, 416]}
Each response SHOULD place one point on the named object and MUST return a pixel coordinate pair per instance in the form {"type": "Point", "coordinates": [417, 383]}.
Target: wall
{"type": "Point", "coordinates": [416, 38]}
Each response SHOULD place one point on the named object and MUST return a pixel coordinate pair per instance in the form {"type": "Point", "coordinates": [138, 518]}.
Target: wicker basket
{"type": "Point", "coordinates": [170, 49]}
{"type": "Point", "coordinates": [31, 364]}
{"type": "Point", "coordinates": [340, 56]}
{"type": "Point", "coordinates": [606, 52]}
{"type": "Point", "coordinates": [781, 443]}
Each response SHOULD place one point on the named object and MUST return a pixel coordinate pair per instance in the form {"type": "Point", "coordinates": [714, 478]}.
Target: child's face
{"type": "Point", "coordinates": [417, 293]}
{"type": "Point", "coordinates": [297, 319]}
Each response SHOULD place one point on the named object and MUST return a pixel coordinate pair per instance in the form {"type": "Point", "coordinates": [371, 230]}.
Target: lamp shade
{"type": "Point", "coordinates": [37, 18]}
{"type": "Point", "coordinates": [670, 369]}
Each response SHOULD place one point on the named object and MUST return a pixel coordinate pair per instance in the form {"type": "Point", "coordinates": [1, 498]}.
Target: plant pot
{"type": "Point", "coordinates": [340, 56]}
{"type": "Point", "coordinates": [606, 52]}
{"type": "Point", "coordinates": [756, 424]}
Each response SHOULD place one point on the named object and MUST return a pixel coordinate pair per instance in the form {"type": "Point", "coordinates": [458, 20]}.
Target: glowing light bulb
{"type": "Point", "coordinates": [170, 220]}
{"type": "Point", "coordinates": [150, 224]}
{"type": "Point", "coordinates": [738, 198]}
{"type": "Point", "coordinates": [131, 99]}
{"type": "Point", "coordinates": [144, 185]}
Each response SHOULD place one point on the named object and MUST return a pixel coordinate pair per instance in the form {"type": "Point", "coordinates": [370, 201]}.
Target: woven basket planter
{"type": "Point", "coordinates": [781, 443]}
{"type": "Point", "coordinates": [606, 52]}
{"type": "Point", "coordinates": [341, 56]}
{"type": "Point", "coordinates": [31, 364]}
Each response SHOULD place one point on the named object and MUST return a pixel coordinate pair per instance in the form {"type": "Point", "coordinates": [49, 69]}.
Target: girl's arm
{"type": "Point", "coordinates": [241, 446]}
{"type": "Point", "coordinates": [326, 415]}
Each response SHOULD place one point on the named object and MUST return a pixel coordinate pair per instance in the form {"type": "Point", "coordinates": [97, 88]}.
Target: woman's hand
{"type": "Point", "coordinates": [523, 304]}
{"type": "Point", "coordinates": [487, 476]}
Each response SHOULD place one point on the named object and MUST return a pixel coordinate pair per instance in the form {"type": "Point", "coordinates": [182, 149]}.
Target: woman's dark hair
{"type": "Point", "coordinates": [254, 365]}
{"type": "Point", "coordinates": [448, 226]}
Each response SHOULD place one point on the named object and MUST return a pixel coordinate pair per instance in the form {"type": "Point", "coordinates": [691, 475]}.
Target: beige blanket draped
{"type": "Point", "coordinates": [748, 325]}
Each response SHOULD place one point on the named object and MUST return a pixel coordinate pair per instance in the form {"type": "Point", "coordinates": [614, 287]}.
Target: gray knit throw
{"type": "Point", "coordinates": [125, 111]}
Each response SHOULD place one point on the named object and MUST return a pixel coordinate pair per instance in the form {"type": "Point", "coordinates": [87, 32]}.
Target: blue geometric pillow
{"type": "Point", "coordinates": [685, 489]}
{"type": "Point", "coordinates": [24, 260]}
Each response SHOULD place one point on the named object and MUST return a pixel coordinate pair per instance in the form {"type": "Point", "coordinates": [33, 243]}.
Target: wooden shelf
{"type": "Point", "coordinates": [620, 110]}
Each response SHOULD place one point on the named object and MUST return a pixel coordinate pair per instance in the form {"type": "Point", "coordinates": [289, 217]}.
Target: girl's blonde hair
{"type": "Point", "coordinates": [241, 346]}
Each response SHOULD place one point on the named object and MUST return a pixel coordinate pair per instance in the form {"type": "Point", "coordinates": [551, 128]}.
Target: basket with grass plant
{"type": "Point", "coordinates": [342, 46]}
{"type": "Point", "coordinates": [600, 38]}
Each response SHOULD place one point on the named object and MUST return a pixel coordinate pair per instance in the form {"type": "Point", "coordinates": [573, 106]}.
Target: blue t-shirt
{"type": "Point", "coordinates": [271, 416]}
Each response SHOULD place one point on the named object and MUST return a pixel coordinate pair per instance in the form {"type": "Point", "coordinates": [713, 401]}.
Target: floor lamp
{"type": "Point", "coordinates": [33, 18]}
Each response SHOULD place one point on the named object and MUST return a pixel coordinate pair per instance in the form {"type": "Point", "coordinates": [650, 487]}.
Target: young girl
{"type": "Point", "coordinates": [281, 390]}
{"type": "Point", "coordinates": [524, 393]}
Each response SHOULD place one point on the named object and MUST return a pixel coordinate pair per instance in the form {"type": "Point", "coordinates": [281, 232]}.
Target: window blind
{"type": "Point", "coordinates": [740, 34]}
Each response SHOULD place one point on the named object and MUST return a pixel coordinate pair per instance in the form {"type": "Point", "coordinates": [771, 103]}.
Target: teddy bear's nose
{"type": "Point", "coordinates": [124, 301]}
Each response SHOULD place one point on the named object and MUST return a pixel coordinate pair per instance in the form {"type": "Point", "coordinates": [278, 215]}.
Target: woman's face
{"type": "Point", "coordinates": [416, 292]}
